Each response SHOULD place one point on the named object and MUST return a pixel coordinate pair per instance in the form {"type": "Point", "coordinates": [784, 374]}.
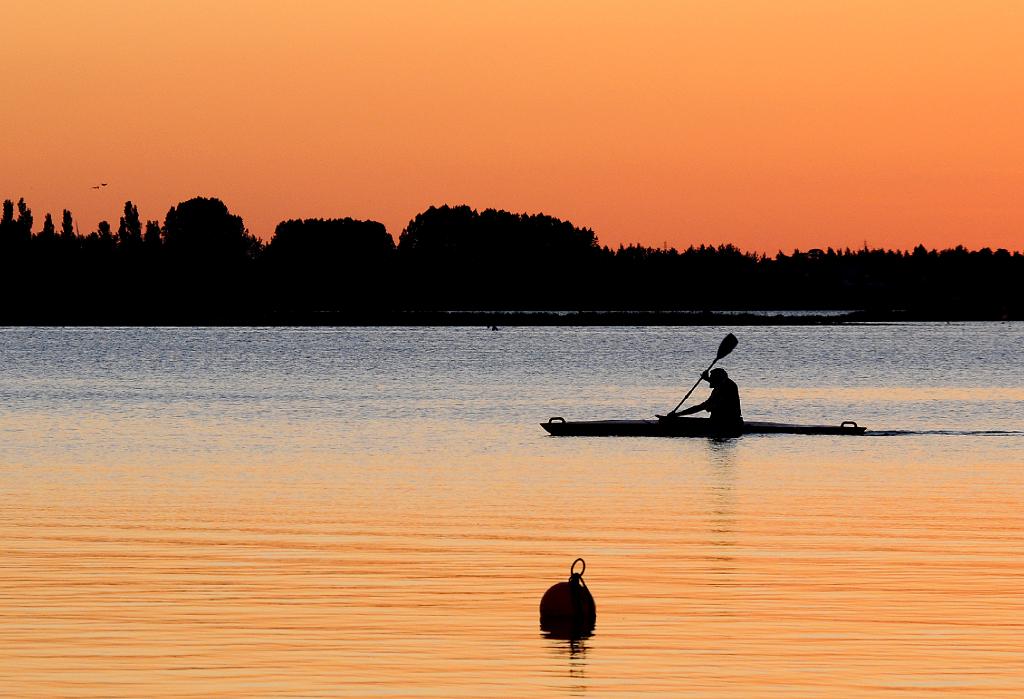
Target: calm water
{"type": "Point", "coordinates": [376, 512]}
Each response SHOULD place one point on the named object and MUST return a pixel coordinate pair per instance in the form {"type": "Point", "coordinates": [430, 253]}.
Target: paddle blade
{"type": "Point", "coordinates": [727, 346]}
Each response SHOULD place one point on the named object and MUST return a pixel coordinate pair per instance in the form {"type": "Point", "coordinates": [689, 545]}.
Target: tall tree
{"type": "Point", "coordinates": [331, 264]}
{"type": "Point", "coordinates": [458, 256]}
{"type": "Point", "coordinates": [67, 226]}
{"type": "Point", "coordinates": [15, 232]}
{"type": "Point", "coordinates": [202, 232]}
{"type": "Point", "coordinates": [207, 248]}
{"type": "Point", "coordinates": [24, 220]}
{"type": "Point", "coordinates": [48, 233]}
{"type": "Point", "coordinates": [7, 225]}
{"type": "Point", "coordinates": [129, 230]}
{"type": "Point", "coordinates": [152, 236]}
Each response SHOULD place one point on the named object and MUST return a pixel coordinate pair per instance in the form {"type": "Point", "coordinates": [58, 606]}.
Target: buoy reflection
{"type": "Point", "coordinates": [566, 630]}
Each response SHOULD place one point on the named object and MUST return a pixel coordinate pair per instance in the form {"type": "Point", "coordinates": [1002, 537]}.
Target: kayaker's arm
{"type": "Point", "coordinates": [706, 405]}
{"type": "Point", "coordinates": [695, 408]}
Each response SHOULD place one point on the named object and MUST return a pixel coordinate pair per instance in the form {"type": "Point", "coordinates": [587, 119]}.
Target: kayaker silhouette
{"type": "Point", "coordinates": [723, 403]}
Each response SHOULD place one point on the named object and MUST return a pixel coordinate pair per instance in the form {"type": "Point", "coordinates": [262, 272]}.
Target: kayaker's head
{"type": "Point", "coordinates": [716, 376]}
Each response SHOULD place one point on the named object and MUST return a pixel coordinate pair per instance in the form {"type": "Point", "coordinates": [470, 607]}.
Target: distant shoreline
{"type": "Point", "coordinates": [499, 319]}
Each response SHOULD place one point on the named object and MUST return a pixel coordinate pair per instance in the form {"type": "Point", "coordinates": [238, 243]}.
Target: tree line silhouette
{"type": "Point", "coordinates": [201, 264]}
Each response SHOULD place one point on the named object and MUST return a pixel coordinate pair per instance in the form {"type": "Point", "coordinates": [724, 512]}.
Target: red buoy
{"type": "Point", "coordinates": [567, 609]}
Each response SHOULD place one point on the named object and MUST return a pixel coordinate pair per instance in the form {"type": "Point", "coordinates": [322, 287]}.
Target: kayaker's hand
{"type": "Point", "coordinates": [704, 375]}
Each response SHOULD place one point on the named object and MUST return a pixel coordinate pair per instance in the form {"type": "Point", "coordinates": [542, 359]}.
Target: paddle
{"type": "Point", "coordinates": [727, 346]}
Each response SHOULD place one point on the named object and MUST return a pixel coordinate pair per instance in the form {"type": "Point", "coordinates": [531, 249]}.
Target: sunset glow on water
{"type": "Point", "coordinates": [368, 512]}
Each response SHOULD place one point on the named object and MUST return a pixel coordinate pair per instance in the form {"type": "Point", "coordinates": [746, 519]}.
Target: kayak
{"type": "Point", "coordinates": [686, 427]}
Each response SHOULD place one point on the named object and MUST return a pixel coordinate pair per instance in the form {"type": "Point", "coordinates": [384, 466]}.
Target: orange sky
{"type": "Point", "coordinates": [772, 124]}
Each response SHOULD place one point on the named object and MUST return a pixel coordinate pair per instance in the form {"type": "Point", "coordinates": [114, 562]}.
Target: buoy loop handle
{"type": "Point", "coordinates": [572, 568]}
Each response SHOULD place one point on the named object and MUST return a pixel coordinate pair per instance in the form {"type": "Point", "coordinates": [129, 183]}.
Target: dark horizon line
{"type": "Point", "coordinates": [203, 266]}
{"type": "Point", "coordinates": [499, 318]}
